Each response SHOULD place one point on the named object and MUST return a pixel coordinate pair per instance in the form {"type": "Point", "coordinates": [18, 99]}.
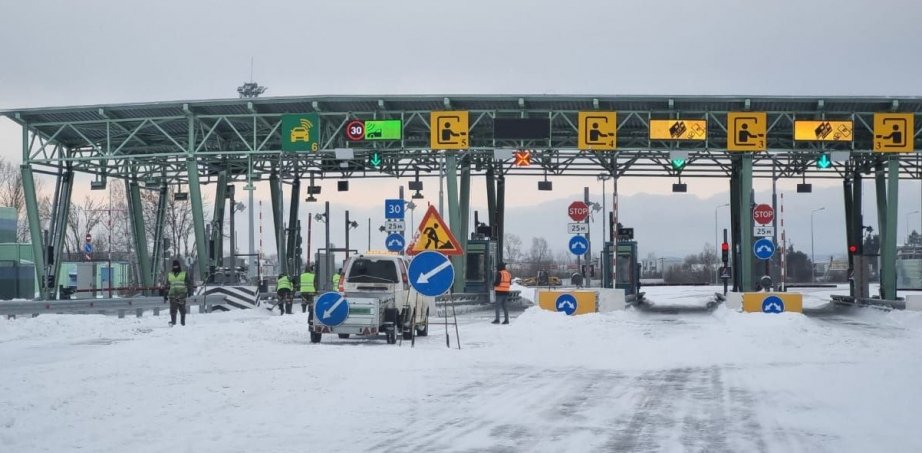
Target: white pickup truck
{"type": "Point", "coordinates": [381, 300]}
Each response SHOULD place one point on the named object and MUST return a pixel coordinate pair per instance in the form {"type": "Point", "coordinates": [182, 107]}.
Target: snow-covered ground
{"type": "Point", "coordinates": [249, 381]}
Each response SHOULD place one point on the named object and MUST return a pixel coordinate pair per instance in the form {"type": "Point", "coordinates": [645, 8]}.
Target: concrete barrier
{"type": "Point", "coordinates": [575, 302]}
{"type": "Point", "coordinates": [734, 301]}
{"type": "Point", "coordinates": [773, 302]}
{"type": "Point", "coordinates": [914, 302]}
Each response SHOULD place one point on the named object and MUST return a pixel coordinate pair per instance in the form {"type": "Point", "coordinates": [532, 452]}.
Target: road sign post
{"type": "Point", "coordinates": [432, 274]}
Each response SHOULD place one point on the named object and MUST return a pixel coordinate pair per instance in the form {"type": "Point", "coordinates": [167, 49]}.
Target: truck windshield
{"type": "Point", "coordinates": [365, 270]}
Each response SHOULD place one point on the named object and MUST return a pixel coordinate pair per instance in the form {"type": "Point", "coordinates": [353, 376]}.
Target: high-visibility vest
{"type": "Point", "coordinates": [336, 278]}
{"type": "Point", "coordinates": [283, 283]}
{"type": "Point", "coordinates": [307, 283]}
{"type": "Point", "coordinates": [505, 279]}
{"type": "Point", "coordinates": [177, 283]}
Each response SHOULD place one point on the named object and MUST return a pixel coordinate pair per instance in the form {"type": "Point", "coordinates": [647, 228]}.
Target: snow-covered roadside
{"type": "Point", "coordinates": [250, 381]}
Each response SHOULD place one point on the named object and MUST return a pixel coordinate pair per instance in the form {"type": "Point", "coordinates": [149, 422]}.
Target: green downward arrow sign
{"type": "Point", "coordinates": [375, 160]}
{"type": "Point", "coordinates": [823, 161]}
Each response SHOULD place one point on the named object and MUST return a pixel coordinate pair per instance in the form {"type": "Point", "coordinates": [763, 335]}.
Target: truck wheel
{"type": "Point", "coordinates": [424, 331]}
{"type": "Point", "coordinates": [343, 335]}
{"type": "Point", "coordinates": [315, 337]}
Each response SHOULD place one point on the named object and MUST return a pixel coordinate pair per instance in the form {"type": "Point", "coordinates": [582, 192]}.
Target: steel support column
{"type": "Point", "coordinates": [157, 258]}
{"type": "Point", "coordinates": [139, 235]}
{"type": "Point", "coordinates": [490, 178]}
{"type": "Point", "coordinates": [888, 196]}
{"type": "Point", "coordinates": [500, 217]}
{"type": "Point", "coordinates": [454, 214]}
{"type": "Point", "coordinates": [734, 225]}
{"type": "Point", "coordinates": [216, 258]}
{"type": "Point", "coordinates": [195, 195]}
{"type": "Point", "coordinates": [35, 226]}
{"type": "Point", "coordinates": [58, 229]}
{"type": "Point", "coordinates": [293, 233]}
{"type": "Point", "coordinates": [462, 233]}
{"type": "Point", "coordinates": [745, 221]}
{"type": "Point", "coordinates": [275, 192]}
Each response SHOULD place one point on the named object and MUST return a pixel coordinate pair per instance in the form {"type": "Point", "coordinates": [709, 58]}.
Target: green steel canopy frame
{"type": "Point", "coordinates": [151, 145]}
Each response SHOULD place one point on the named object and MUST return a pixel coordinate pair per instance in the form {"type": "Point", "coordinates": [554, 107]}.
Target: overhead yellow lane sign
{"type": "Point", "coordinates": [678, 130]}
{"type": "Point", "coordinates": [823, 131]}
{"type": "Point", "coordinates": [746, 131]}
{"type": "Point", "coordinates": [448, 130]}
{"type": "Point", "coordinates": [598, 131]}
{"type": "Point", "coordinates": [894, 132]}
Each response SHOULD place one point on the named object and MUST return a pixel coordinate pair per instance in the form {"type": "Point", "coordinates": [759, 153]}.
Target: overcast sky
{"type": "Point", "coordinates": [92, 52]}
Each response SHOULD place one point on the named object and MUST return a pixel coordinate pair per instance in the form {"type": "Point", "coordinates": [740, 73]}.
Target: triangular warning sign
{"type": "Point", "coordinates": [435, 236]}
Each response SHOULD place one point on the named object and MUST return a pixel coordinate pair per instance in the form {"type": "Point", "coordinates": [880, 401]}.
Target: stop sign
{"type": "Point", "coordinates": [578, 211]}
{"type": "Point", "coordinates": [763, 214]}
{"type": "Point", "coordinates": [88, 237]}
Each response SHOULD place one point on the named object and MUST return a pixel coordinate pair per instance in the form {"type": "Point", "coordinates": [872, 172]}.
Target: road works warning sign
{"type": "Point", "coordinates": [435, 236]}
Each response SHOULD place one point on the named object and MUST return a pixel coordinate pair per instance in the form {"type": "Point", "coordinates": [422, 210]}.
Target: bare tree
{"type": "Point", "coordinates": [512, 248]}
{"type": "Point", "coordinates": [13, 195]}
{"type": "Point", "coordinates": [539, 257]}
{"type": "Point", "coordinates": [83, 218]}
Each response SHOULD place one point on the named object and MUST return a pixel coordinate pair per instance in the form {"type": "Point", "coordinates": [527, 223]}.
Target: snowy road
{"type": "Point", "coordinates": [248, 381]}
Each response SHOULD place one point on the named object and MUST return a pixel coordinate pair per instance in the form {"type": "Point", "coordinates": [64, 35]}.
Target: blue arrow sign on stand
{"type": "Point", "coordinates": [431, 273]}
{"type": "Point", "coordinates": [394, 242]}
{"type": "Point", "coordinates": [763, 248]}
{"type": "Point", "coordinates": [393, 209]}
{"type": "Point", "coordinates": [87, 248]}
{"type": "Point", "coordinates": [579, 245]}
{"type": "Point", "coordinates": [566, 303]}
{"type": "Point", "coordinates": [331, 309]}
{"type": "Point", "coordinates": [772, 304]}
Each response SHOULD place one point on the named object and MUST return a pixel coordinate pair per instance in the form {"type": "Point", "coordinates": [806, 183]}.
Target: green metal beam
{"type": "Point", "coordinates": [465, 209]}
{"type": "Point", "coordinates": [198, 215]}
{"type": "Point", "coordinates": [217, 222]}
{"type": "Point", "coordinates": [745, 212]}
{"type": "Point", "coordinates": [35, 226]}
{"type": "Point", "coordinates": [888, 229]}
{"type": "Point", "coordinates": [136, 215]}
{"type": "Point", "coordinates": [276, 194]}
{"type": "Point", "coordinates": [59, 231]}
{"type": "Point", "coordinates": [454, 213]}
{"type": "Point", "coordinates": [292, 233]}
{"type": "Point", "coordinates": [157, 259]}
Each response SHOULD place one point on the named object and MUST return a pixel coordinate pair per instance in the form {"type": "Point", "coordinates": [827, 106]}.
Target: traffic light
{"type": "Point", "coordinates": [854, 249]}
{"type": "Point", "coordinates": [677, 164]}
{"type": "Point", "coordinates": [725, 252]}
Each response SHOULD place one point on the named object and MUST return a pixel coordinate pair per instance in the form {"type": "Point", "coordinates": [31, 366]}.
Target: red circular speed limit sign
{"type": "Point", "coordinates": [355, 130]}
{"type": "Point", "coordinates": [763, 214]}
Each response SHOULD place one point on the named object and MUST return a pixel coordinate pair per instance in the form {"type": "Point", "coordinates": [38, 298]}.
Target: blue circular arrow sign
{"type": "Point", "coordinates": [431, 273]}
{"type": "Point", "coordinates": [394, 242]}
{"type": "Point", "coordinates": [566, 303]}
{"type": "Point", "coordinates": [763, 248]}
{"type": "Point", "coordinates": [579, 245]}
{"type": "Point", "coordinates": [331, 309]}
{"type": "Point", "coordinates": [772, 304]}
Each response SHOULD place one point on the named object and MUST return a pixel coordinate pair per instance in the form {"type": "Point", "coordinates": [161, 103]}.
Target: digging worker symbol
{"type": "Point", "coordinates": [432, 238]}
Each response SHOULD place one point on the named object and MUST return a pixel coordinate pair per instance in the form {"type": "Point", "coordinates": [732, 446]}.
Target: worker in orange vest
{"type": "Point", "coordinates": [503, 281]}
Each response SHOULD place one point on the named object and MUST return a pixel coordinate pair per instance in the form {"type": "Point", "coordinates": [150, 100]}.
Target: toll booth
{"type": "Point", "coordinates": [480, 265]}
{"type": "Point", "coordinates": [628, 268]}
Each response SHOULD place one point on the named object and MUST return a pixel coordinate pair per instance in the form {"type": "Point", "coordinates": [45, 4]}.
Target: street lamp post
{"type": "Point", "coordinates": [716, 245]}
{"type": "Point", "coordinates": [907, 224]}
{"type": "Point", "coordinates": [603, 177]}
{"type": "Point", "coordinates": [812, 256]}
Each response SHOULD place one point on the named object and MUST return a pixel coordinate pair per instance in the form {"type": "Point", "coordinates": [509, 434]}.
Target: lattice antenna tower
{"type": "Point", "coordinates": [251, 89]}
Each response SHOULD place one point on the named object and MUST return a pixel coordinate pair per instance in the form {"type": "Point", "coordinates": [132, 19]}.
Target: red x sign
{"type": "Point", "coordinates": [522, 158]}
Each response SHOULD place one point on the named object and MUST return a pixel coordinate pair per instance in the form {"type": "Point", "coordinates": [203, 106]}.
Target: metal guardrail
{"type": "Point", "coordinates": [120, 307]}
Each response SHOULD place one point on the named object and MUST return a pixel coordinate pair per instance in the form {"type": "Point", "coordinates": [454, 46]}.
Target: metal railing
{"type": "Point", "coordinates": [119, 307]}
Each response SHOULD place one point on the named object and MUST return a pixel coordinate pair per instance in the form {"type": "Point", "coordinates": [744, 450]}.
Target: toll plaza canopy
{"type": "Point", "coordinates": [633, 135]}
{"type": "Point", "coordinates": [156, 145]}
